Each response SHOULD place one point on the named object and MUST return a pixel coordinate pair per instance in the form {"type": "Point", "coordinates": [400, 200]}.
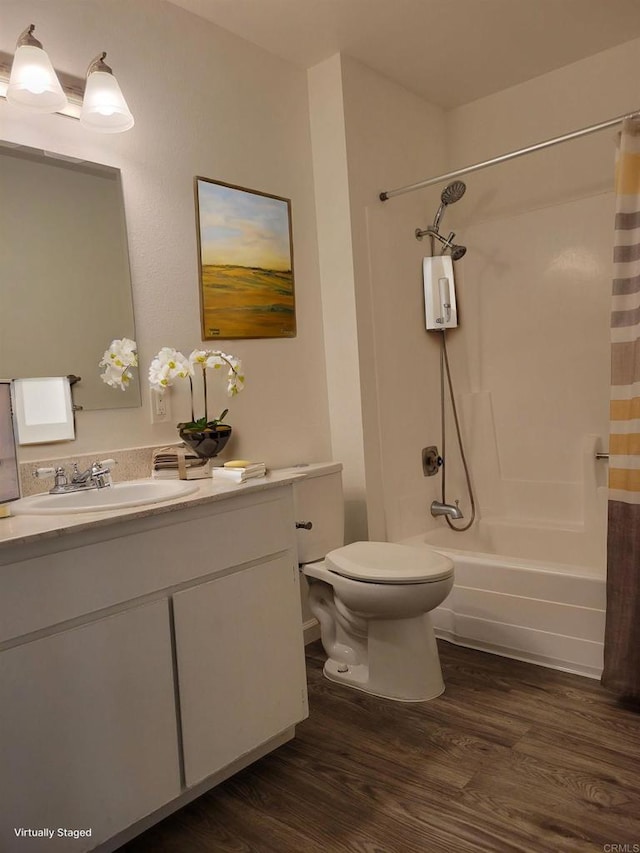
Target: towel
{"type": "Point", "coordinates": [179, 463]}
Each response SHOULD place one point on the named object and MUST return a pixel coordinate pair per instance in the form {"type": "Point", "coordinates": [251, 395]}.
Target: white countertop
{"type": "Point", "coordinates": [20, 529]}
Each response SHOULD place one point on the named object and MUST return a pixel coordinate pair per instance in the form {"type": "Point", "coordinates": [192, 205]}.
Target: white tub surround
{"type": "Point", "coordinates": [146, 654]}
{"type": "Point", "coordinates": [544, 611]}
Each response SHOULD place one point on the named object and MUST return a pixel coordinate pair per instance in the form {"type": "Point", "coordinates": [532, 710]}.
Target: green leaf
{"type": "Point", "coordinates": [202, 424]}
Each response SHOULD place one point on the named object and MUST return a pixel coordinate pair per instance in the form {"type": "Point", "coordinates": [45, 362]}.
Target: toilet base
{"type": "Point", "coordinates": [402, 662]}
{"type": "Point", "coordinates": [358, 677]}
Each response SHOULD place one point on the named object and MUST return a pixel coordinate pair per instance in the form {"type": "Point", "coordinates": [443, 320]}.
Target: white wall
{"type": "Point", "coordinates": [333, 207]}
{"type": "Point", "coordinates": [394, 137]}
{"type": "Point", "coordinates": [386, 137]}
{"type": "Point", "coordinates": [206, 103]}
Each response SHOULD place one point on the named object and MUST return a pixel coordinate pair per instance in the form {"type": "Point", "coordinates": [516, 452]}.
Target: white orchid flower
{"type": "Point", "coordinates": [169, 364]}
{"type": "Point", "coordinates": [160, 376]}
{"type": "Point", "coordinates": [121, 352]}
{"type": "Point", "coordinates": [128, 352]}
{"type": "Point", "coordinates": [216, 359]}
{"type": "Point", "coordinates": [117, 360]}
{"type": "Point", "coordinates": [166, 367]}
{"type": "Point", "coordinates": [115, 377]}
{"type": "Point", "coordinates": [199, 356]}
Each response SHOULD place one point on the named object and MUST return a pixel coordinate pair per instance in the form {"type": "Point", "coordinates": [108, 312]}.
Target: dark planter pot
{"type": "Point", "coordinates": [207, 443]}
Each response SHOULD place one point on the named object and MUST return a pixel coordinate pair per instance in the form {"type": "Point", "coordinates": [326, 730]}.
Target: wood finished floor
{"type": "Point", "coordinates": [513, 757]}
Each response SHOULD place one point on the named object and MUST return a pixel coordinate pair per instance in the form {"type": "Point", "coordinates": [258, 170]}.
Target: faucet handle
{"type": "Point", "coordinates": [46, 472]}
{"type": "Point", "coordinates": [58, 473]}
{"type": "Point", "coordinates": [101, 473]}
{"type": "Point", "coordinates": [101, 465]}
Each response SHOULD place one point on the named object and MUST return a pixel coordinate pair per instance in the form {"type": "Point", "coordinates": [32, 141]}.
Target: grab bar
{"type": "Point", "coordinates": [602, 455]}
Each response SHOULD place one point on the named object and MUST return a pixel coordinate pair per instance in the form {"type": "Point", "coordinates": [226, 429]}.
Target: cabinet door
{"type": "Point", "coordinates": [88, 733]}
{"type": "Point", "coordinates": [240, 664]}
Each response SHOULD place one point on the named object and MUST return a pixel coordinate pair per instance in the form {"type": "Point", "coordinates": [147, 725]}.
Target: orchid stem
{"type": "Point", "coordinates": [204, 381]}
{"type": "Point", "coordinates": [193, 415]}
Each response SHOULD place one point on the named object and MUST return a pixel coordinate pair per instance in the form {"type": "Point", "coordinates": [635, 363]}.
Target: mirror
{"type": "Point", "coordinates": [65, 284]}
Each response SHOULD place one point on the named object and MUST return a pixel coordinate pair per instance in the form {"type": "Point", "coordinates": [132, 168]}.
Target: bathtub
{"type": "Point", "coordinates": [525, 591]}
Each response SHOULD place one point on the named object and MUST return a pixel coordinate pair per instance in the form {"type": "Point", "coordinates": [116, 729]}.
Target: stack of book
{"type": "Point", "coordinates": [239, 471]}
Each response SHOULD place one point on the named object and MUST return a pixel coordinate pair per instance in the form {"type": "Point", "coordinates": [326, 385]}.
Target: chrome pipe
{"type": "Point", "coordinates": [503, 158]}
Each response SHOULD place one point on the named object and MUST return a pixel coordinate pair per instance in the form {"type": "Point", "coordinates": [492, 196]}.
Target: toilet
{"type": "Point", "coordinates": [372, 599]}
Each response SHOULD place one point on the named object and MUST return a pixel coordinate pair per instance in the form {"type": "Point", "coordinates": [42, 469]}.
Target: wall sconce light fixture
{"type": "Point", "coordinates": [32, 84]}
{"type": "Point", "coordinates": [104, 107]}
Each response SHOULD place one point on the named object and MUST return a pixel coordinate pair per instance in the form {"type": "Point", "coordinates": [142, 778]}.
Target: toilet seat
{"type": "Point", "coordinates": [386, 562]}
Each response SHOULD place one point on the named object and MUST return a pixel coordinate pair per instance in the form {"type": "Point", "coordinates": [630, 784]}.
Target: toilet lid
{"type": "Point", "coordinates": [386, 562]}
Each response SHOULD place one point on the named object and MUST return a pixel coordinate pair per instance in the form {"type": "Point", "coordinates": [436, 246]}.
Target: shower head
{"type": "Point", "coordinates": [453, 192]}
{"type": "Point", "coordinates": [449, 195]}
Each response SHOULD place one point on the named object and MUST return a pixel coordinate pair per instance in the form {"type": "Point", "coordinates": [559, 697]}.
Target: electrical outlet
{"type": "Point", "coordinates": [160, 408]}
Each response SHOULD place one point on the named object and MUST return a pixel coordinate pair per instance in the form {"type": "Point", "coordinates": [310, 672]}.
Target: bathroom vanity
{"type": "Point", "coordinates": [146, 654]}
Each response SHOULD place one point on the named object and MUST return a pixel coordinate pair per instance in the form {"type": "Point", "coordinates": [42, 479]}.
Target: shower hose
{"type": "Point", "coordinates": [446, 372]}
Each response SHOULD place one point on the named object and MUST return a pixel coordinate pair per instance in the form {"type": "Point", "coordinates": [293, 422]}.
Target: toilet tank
{"type": "Point", "coordinates": [318, 498]}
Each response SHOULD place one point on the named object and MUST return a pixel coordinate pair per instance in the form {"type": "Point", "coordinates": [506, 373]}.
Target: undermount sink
{"type": "Point", "coordinates": [119, 496]}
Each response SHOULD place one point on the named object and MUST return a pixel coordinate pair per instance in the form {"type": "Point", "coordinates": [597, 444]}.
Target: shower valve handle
{"type": "Point", "coordinates": [431, 461]}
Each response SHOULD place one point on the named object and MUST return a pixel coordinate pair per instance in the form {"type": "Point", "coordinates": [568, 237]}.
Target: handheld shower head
{"type": "Point", "coordinates": [449, 195]}
{"type": "Point", "coordinates": [453, 192]}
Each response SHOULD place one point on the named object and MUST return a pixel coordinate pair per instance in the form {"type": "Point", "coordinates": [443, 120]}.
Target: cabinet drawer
{"type": "Point", "coordinates": [174, 548]}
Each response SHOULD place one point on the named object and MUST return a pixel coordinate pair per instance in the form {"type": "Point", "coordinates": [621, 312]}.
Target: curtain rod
{"type": "Point", "coordinates": [594, 128]}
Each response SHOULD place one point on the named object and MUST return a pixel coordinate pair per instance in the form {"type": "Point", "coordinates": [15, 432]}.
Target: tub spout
{"type": "Point", "coordinates": [438, 508]}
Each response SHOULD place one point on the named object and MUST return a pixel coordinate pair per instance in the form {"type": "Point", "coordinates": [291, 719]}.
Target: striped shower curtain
{"type": "Point", "coordinates": [622, 634]}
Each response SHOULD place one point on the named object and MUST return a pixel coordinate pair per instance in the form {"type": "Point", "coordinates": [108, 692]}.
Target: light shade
{"type": "Point", "coordinates": [104, 108]}
{"type": "Point", "coordinates": [33, 83]}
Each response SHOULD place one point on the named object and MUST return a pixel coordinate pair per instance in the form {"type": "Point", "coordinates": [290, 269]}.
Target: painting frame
{"type": "Point", "coordinates": [246, 278]}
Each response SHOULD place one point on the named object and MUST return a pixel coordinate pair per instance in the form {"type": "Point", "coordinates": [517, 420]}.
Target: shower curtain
{"type": "Point", "coordinates": [622, 633]}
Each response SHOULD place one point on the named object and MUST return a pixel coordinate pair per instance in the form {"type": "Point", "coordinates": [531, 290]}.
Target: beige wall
{"type": "Point", "coordinates": [206, 103]}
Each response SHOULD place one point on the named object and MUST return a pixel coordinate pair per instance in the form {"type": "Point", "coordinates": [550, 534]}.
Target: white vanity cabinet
{"type": "Point", "coordinates": [252, 680]}
{"type": "Point", "coordinates": [142, 662]}
{"type": "Point", "coordinates": [88, 731]}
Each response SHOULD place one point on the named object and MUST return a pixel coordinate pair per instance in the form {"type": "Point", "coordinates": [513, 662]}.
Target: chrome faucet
{"type": "Point", "coordinates": [439, 508]}
{"type": "Point", "coordinates": [95, 477]}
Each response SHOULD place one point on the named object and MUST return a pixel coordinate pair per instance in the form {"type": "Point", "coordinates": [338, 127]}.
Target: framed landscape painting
{"type": "Point", "coordinates": [246, 262]}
